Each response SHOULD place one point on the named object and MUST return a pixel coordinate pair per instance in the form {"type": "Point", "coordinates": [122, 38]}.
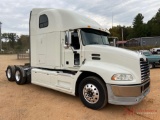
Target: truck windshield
{"type": "Point", "coordinates": [91, 37]}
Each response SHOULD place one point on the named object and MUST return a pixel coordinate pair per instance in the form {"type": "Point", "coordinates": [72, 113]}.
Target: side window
{"type": "Point", "coordinates": [75, 40]}
{"type": "Point", "coordinates": [43, 21]}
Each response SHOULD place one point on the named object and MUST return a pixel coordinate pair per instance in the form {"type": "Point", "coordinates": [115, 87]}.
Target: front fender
{"type": "Point", "coordinates": [107, 70]}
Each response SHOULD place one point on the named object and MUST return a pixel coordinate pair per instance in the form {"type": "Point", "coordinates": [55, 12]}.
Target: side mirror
{"type": "Point", "coordinates": [67, 39]}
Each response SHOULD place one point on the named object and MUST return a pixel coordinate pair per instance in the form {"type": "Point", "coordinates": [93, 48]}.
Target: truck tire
{"type": "Point", "coordinates": [28, 79]}
{"type": "Point", "coordinates": [10, 73]}
{"type": "Point", "coordinates": [93, 93]}
{"type": "Point", "coordinates": [20, 76]}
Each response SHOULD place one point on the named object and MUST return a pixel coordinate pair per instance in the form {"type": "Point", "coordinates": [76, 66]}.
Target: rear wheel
{"type": "Point", "coordinates": [93, 92]}
{"type": "Point", "coordinates": [10, 73]}
{"type": "Point", "coordinates": [20, 76]}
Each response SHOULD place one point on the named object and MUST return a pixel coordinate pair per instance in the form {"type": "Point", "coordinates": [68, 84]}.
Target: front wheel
{"type": "Point", "coordinates": [93, 92]}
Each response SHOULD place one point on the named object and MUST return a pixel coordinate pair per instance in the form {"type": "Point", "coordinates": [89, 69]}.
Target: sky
{"type": "Point", "coordinates": [14, 14]}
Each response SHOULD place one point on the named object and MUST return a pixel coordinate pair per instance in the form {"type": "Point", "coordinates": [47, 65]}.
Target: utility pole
{"type": "Point", "coordinates": [122, 36]}
{"type": "Point", "coordinates": [112, 20]}
{"type": "Point", "coordinates": [0, 38]}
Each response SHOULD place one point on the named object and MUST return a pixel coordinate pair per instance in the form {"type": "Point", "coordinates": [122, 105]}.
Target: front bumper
{"type": "Point", "coordinates": [127, 94]}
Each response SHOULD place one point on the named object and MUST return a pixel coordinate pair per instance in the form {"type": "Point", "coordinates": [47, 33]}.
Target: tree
{"type": "Point", "coordinates": [116, 31]}
{"type": "Point", "coordinates": [153, 25]}
{"type": "Point", "coordinates": [138, 26]}
{"type": "Point", "coordinates": [23, 42]}
{"type": "Point", "coordinates": [128, 33]}
{"type": "Point", "coordinates": [12, 37]}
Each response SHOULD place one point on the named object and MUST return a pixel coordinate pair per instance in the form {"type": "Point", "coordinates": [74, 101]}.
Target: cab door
{"type": "Point", "coordinates": [72, 54]}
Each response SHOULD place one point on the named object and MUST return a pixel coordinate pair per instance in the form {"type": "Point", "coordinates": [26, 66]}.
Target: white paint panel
{"type": "Point", "coordinates": [65, 82]}
{"type": "Point", "coordinates": [33, 51]}
{"type": "Point", "coordinates": [44, 77]}
{"type": "Point", "coordinates": [51, 79]}
{"type": "Point", "coordinates": [33, 24]}
{"type": "Point", "coordinates": [62, 20]}
{"type": "Point", "coordinates": [41, 78]}
{"type": "Point", "coordinates": [41, 44]}
{"type": "Point", "coordinates": [69, 57]}
{"type": "Point", "coordinates": [46, 51]}
{"type": "Point", "coordinates": [41, 59]}
{"type": "Point", "coordinates": [53, 53]}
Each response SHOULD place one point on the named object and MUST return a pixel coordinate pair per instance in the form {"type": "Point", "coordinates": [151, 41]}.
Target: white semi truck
{"type": "Point", "coordinates": [71, 53]}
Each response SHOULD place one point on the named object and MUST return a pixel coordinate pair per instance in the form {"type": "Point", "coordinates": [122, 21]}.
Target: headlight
{"type": "Point", "coordinates": [121, 76]}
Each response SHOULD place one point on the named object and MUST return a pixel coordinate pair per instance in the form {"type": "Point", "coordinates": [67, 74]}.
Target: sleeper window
{"type": "Point", "coordinates": [43, 21]}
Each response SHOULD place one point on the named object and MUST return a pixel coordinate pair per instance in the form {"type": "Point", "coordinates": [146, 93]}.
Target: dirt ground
{"type": "Point", "coordinates": [32, 102]}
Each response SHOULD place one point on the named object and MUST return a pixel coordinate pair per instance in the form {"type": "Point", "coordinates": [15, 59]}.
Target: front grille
{"type": "Point", "coordinates": [145, 71]}
{"type": "Point", "coordinates": [146, 86]}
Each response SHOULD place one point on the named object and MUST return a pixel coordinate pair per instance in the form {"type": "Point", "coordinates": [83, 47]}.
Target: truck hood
{"type": "Point", "coordinates": [112, 52]}
{"type": "Point", "coordinates": [115, 58]}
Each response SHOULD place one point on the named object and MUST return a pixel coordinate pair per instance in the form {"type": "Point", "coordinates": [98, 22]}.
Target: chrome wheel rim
{"type": "Point", "coordinates": [9, 73]}
{"type": "Point", "coordinates": [17, 76]}
{"type": "Point", "coordinates": [91, 93]}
